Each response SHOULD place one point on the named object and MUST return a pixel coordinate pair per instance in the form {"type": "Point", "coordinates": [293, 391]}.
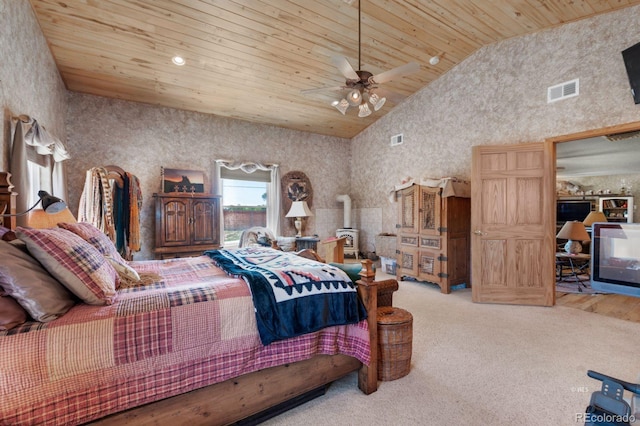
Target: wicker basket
{"type": "Point", "coordinates": [395, 336]}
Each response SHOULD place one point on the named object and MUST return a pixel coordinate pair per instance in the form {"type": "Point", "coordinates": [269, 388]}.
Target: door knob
{"type": "Point", "coordinates": [478, 232]}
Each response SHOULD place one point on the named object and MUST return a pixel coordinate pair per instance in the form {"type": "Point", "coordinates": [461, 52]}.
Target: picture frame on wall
{"type": "Point", "coordinates": [182, 181]}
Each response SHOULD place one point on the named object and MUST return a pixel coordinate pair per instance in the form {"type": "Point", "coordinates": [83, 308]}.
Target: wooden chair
{"type": "Point", "coordinates": [333, 249]}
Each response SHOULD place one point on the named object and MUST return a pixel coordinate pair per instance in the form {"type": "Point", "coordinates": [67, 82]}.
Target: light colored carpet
{"type": "Point", "coordinates": [485, 364]}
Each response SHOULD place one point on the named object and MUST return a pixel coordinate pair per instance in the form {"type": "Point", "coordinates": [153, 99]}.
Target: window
{"type": "Point", "coordinates": [244, 197]}
{"type": "Point", "coordinates": [269, 175]}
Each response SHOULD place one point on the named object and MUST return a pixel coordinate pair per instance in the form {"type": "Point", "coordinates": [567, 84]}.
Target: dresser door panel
{"type": "Point", "coordinates": [429, 266]}
{"type": "Point", "coordinates": [429, 211]}
{"type": "Point", "coordinates": [176, 223]}
{"type": "Point", "coordinates": [204, 222]}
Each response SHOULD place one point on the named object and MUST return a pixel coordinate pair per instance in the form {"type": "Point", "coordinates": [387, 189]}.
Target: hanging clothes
{"type": "Point", "coordinates": [114, 209]}
{"type": "Point", "coordinates": [135, 206]}
{"type": "Point", "coordinates": [96, 202]}
{"type": "Point", "coordinates": [127, 206]}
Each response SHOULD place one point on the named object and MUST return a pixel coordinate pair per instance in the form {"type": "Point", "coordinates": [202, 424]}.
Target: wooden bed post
{"type": "Point", "coordinates": [367, 289]}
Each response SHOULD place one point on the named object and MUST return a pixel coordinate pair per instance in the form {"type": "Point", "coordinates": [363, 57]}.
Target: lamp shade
{"type": "Point", "coordinates": [355, 97]}
{"type": "Point", "coordinates": [574, 231]}
{"type": "Point", "coordinates": [341, 105]}
{"type": "Point", "coordinates": [299, 209]}
{"type": "Point", "coordinates": [51, 204]}
{"type": "Point", "coordinates": [593, 217]}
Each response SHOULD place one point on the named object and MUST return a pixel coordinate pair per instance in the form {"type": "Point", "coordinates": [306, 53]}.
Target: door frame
{"type": "Point", "coordinates": [570, 137]}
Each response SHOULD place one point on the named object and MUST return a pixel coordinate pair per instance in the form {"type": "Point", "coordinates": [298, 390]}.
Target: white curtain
{"type": "Point", "coordinates": [36, 163]}
{"type": "Point", "coordinates": [273, 189]}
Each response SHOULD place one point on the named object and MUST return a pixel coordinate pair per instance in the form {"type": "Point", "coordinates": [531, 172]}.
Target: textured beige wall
{"type": "Point", "coordinates": [613, 183]}
{"type": "Point", "coordinates": [498, 96]}
{"type": "Point", "coordinates": [141, 138]}
{"type": "Point", "coordinates": [29, 81]}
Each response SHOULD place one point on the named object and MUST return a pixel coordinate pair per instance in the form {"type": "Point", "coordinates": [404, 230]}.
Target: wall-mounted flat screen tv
{"type": "Point", "coordinates": [615, 258]}
{"type": "Point", "coordinates": [631, 58]}
{"type": "Point", "coordinates": [572, 210]}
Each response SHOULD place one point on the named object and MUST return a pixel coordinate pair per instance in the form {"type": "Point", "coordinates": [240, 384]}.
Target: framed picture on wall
{"type": "Point", "coordinates": [179, 180]}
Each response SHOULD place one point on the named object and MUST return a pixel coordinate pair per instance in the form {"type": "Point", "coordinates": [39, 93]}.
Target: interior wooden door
{"type": "Point", "coordinates": [512, 243]}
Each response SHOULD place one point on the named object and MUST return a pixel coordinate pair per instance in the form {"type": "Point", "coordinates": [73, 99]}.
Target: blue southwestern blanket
{"type": "Point", "coordinates": [292, 295]}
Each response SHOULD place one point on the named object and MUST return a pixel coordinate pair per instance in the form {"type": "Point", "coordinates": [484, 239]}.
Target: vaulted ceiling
{"type": "Point", "coordinates": [250, 59]}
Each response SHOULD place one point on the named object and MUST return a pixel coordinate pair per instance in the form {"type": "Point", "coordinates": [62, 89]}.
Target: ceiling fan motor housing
{"type": "Point", "coordinates": [363, 83]}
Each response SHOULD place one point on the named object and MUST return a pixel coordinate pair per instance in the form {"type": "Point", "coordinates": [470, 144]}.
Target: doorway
{"type": "Point", "coordinates": [593, 164]}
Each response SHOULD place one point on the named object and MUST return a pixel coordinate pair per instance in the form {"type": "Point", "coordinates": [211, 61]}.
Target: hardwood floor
{"type": "Point", "coordinates": [612, 305]}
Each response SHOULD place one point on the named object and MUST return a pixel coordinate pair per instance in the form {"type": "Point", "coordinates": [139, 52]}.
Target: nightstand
{"type": "Point", "coordinates": [307, 243]}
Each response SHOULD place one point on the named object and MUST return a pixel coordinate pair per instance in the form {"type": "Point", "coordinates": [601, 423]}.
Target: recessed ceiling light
{"type": "Point", "coordinates": [434, 60]}
{"type": "Point", "coordinates": [178, 60]}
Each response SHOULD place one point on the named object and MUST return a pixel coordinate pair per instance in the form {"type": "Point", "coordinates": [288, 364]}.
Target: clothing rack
{"type": "Point", "coordinates": [117, 174]}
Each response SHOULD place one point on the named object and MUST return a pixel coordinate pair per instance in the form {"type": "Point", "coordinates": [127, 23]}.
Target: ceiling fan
{"type": "Point", "coordinates": [362, 83]}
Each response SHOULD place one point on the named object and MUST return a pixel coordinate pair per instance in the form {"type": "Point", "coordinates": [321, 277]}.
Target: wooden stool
{"type": "Point", "coordinates": [395, 335]}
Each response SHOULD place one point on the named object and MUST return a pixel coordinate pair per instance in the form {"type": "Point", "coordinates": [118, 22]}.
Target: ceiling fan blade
{"type": "Point", "coordinates": [389, 94]}
{"type": "Point", "coordinates": [345, 67]}
{"type": "Point", "coordinates": [322, 89]}
{"type": "Point", "coordinates": [400, 71]}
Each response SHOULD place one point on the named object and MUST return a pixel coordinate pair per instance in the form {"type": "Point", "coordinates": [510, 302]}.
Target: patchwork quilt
{"type": "Point", "coordinates": [292, 295]}
{"type": "Point", "coordinates": [193, 328]}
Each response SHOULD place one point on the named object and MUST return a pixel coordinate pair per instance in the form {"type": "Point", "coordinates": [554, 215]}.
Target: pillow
{"type": "Point", "coordinates": [11, 313]}
{"type": "Point", "coordinates": [3, 230]}
{"type": "Point", "coordinates": [95, 237]}
{"type": "Point", "coordinates": [23, 278]}
{"type": "Point", "coordinates": [125, 272]}
{"type": "Point", "coordinates": [104, 245]}
{"type": "Point", "coordinates": [74, 262]}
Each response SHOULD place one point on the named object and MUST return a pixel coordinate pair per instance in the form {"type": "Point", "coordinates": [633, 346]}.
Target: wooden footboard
{"type": "Point", "coordinates": [247, 395]}
{"type": "Point", "coordinates": [241, 397]}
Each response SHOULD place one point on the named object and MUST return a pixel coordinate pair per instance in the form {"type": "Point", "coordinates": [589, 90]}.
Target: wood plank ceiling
{"type": "Point", "coordinates": [250, 59]}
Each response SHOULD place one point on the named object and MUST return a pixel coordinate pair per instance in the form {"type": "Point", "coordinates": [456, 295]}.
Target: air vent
{"type": "Point", "coordinates": [396, 140]}
{"type": "Point", "coordinates": [564, 90]}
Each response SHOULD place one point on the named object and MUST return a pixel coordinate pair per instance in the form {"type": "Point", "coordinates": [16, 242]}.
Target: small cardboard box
{"type": "Point", "coordinates": [388, 265]}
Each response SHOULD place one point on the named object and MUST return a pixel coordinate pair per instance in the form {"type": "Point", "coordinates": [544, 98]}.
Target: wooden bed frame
{"type": "Point", "coordinates": [264, 393]}
{"type": "Point", "coordinates": [261, 394]}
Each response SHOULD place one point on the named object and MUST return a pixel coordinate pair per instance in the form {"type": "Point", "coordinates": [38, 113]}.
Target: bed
{"type": "Point", "coordinates": [183, 341]}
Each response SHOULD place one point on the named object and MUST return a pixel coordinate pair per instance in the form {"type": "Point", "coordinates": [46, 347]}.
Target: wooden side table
{"type": "Point", "coordinates": [577, 262]}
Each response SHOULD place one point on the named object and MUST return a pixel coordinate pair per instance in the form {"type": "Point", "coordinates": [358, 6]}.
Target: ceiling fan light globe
{"type": "Point", "coordinates": [364, 110]}
{"type": "Point", "coordinates": [341, 106]}
{"type": "Point", "coordinates": [355, 97]}
{"type": "Point", "coordinates": [376, 101]}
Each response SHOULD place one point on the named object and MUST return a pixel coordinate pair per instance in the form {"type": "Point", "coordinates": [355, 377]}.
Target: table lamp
{"type": "Point", "coordinates": [574, 232]}
{"type": "Point", "coordinates": [50, 204]}
{"type": "Point", "coordinates": [299, 210]}
{"type": "Point", "coordinates": [593, 217]}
